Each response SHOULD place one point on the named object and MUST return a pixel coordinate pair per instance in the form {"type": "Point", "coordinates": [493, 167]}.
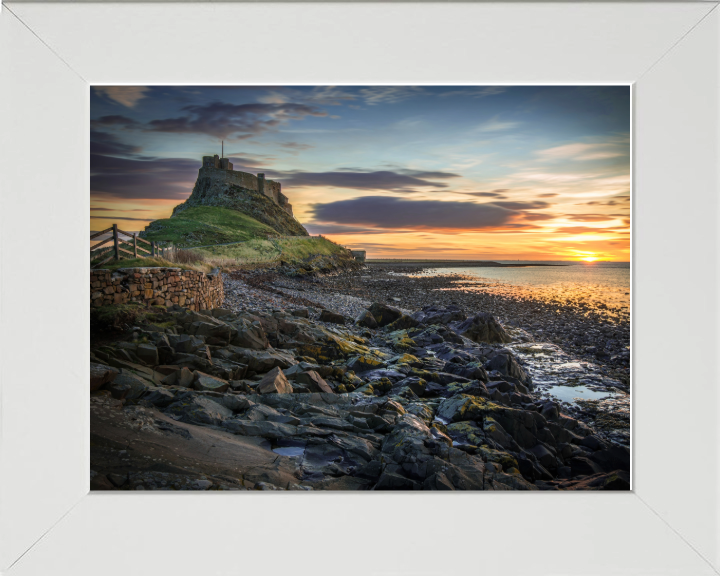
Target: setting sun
{"type": "Point", "coordinates": [589, 258]}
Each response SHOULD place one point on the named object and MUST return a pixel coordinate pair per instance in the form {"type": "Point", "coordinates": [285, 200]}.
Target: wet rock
{"type": "Point", "coordinates": [583, 466]}
{"type": "Point", "coordinates": [261, 413]}
{"type": "Point", "coordinates": [204, 381]}
{"type": "Point", "coordinates": [380, 373]}
{"type": "Point", "coordinates": [264, 429]}
{"type": "Point", "coordinates": [366, 319]}
{"type": "Point", "coordinates": [463, 407]}
{"type": "Point", "coordinates": [301, 313]}
{"type": "Point", "coordinates": [612, 458]}
{"type": "Point", "coordinates": [129, 386]}
{"type": "Point", "coordinates": [546, 458]}
{"type": "Point", "coordinates": [250, 335]}
{"type": "Point", "coordinates": [384, 314]}
{"type": "Point", "coordinates": [365, 364]}
{"type": "Point", "coordinates": [185, 343]}
{"type": "Point", "coordinates": [160, 397]}
{"type": "Point", "coordinates": [402, 323]}
{"type": "Point", "coordinates": [199, 410]}
{"type": "Point", "coordinates": [274, 382]}
{"type": "Point", "coordinates": [471, 370]}
{"type": "Point", "coordinates": [550, 411]}
{"type": "Point", "coordinates": [505, 364]}
{"type": "Point", "coordinates": [417, 385]}
{"type": "Point", "coordinates": [185, 378]}
{"type": "Point", "coordinates": [483, 327]}
{"type": "Point", "coordinates": [236, 402]}
{"type": "Point", "coordinates": [394, 481]}
{"type": "Point", "coordinates": [313, 382]}
{"type": "Point", "coordinates": [101, 374]}
{"type": "Point", "coordinates": [328, 316]}
{"type": "Point", "coordinates": [148, 354]}
{"type": "Point", "coordinates": [264, 361]}
{"type": "Point", "coordinates": [593, 442]}
{"type": "Point", "coordinates": [440, 315]}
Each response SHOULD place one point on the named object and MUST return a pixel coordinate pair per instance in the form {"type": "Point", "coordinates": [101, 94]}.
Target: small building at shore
{"type": "Point", "coordinates": [359, 255]}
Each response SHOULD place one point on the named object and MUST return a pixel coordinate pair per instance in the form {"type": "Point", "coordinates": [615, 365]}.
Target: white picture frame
{"type": "Point", "coordinates": [50, 53]}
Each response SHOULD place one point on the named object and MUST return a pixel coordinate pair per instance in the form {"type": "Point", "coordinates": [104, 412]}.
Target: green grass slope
{"type": "Point", "coordinates": [205, 225]}
{"type": "Point", "coordinates": [290, 249]}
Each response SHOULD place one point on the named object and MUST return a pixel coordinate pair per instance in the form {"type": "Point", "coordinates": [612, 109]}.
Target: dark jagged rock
{"type": "Point", "coordinates": [366, 319]}
{"type": "Point", "coordinates": [339, 407]}
{"type": "Point", "coordinates": [384, 314]}
{"type": "Point", "coordinates": [328, 316]}
{"type": "Point", "coordinates": [483, 327]}
{"type": "Point", "coordinates": [440, 315]}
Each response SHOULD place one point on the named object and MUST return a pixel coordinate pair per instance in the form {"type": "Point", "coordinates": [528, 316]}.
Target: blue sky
{"type": "Point", "coordinates": [403, 171]}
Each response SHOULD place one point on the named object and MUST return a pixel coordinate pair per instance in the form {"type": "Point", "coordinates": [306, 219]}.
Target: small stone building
{"type": "Point", "coordinates": [358, 255]}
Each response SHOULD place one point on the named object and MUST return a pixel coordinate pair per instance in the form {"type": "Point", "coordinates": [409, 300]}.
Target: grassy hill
{"type": "Point", "coordinates": [205, 225]}
{"type": "Point", "coordinates": [213, 236]}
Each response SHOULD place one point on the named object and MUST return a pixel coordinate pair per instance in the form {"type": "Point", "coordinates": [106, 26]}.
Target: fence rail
{"type": "Point", "coordinates": [120, 245]}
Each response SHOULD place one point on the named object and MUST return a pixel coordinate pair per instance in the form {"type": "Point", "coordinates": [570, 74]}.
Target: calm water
{"type": "Point", "coordinates": [596, 283]}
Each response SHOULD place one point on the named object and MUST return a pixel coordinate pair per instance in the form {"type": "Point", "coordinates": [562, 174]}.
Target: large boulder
{"type": "Point", "coordinates": [402, 323]}
{"type": "Point", "coordinates": [185, 343]}
{"type": "Point", "coordinates": [366, 320]}
{"type": "Point", "coordinates": [472, 370]}
{"type": "Point", "coordinates": [365, 363]}
{"type": "Point", "coordinates": [264, 361]}
{"type": "Point", "coordinates": [313, 382]}
{"type": "Point", "coordinates": [483, 327]}
{"type": "Point", "coordinates": [209, 383]}
{"type": "Point", "coordinates": [463, 407]}
{"type": "Point", "coordinates": [384, 314]}
{"type": "Point", "coordinates": [439, 315]}
{"type": "Point", "coordinates": [332, 317]}
{"type": "Point", "coordinates": [198, 410]}
{"type": "Point", "coordinates": [101, 374]}
{"type": "Point", "coordinates": [128, 385]}
{"type": "Point", "coordinates": [148, 354]}
{"type": "Point", "coordinates": [504, 363]}
{"type": "Point", "coordinates": [274, 382]}
{"type": "Point", "coordinates": [250, 335]}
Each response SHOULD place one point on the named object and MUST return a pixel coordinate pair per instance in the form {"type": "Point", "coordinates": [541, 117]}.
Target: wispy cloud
{"type": "Point", "coordinates": [496, 125]}
{"type": "Point", "coordinates": [582, 151]}
{"type": "Point", "coordinates": [402, 181]}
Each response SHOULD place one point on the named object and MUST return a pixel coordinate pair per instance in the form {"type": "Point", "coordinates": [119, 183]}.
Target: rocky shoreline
{"type": "Point", "coordinates": [363, 380]}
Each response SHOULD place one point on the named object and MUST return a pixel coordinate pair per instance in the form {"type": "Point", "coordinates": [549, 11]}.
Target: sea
{"type": "Point", "coordinates": [597, 284]}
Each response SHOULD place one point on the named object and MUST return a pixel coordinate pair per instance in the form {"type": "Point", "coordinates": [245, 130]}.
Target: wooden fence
{"type": "Point", "coordinates": [128, 246]}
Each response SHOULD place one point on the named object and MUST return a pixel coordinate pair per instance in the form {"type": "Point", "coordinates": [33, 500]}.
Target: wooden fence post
{"type": "Point", "coordinates": [115, 240]}
{"type": "Point", "coordinates": [152, 249]}
{"type": "Point", "coordinates": [135, 244]}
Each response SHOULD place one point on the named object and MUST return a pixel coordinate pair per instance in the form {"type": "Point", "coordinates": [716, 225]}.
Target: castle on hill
{"type": "Point", "coordinates": [221, 170]}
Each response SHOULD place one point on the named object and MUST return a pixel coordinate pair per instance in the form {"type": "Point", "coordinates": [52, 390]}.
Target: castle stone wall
{"type": "Point", "coordinates": [157, 286]}
{"type": "Point", "coordinates": [242, 179]}
{"type": "Point", "coordinates": [271, 189]}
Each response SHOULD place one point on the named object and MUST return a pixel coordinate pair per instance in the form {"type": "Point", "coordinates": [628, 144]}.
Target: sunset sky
{"type": "Point", "coordinates": [457, 172]}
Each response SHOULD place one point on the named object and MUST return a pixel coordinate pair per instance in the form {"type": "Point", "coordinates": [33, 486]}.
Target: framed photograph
{"type": "Point", "coordinates": [475, 149]}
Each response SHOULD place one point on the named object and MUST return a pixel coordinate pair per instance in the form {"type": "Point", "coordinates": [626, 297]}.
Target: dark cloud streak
{"type": "Point", "coordinates": [392, 213]}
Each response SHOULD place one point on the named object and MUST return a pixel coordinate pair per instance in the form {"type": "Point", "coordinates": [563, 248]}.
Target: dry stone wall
{"type": "Point", "coordinates": [157, 286]}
